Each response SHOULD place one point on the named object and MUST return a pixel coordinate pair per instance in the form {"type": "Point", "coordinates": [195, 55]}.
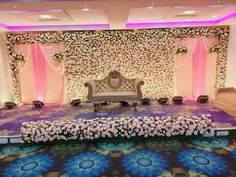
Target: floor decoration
{"type": "Point", "coordinates": [11, 120]}
{"type": "Point", "coordinates": [147, 157]}
{"type": "Point", "coordinates": [87, 164]}
{"type": "Point", "coordinates": [29, 166]}
{"type": "Point", "coordinates": [202, 161]}
{"type": "Point", "coordinates": [144, 163]}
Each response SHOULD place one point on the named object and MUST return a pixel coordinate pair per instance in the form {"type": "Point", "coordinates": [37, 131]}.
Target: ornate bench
{"type": "Point", "coordinates": [114, 88]}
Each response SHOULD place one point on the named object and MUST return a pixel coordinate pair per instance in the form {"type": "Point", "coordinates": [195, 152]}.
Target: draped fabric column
{"type": "Point", "coordinates": [55, 73]}
{"type": "Point", "coordinates": [211, 64]}
{"type": "Point", "coordinates": [39, 72]}
{"type": "Point", "coordinates": [199, 68]}
{"type": "Point", "coordinates": [183, 68]}
{"type": "Point", "coordinates": [41, 78]}
{"type": "Point", "coordinates": [26, 74]}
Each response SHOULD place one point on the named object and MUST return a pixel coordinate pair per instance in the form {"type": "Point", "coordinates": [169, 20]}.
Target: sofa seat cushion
{"type": "Point", "coordinates": [126, 94]}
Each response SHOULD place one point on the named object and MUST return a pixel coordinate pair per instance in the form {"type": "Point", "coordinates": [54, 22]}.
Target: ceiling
{"type": "Point", "coordinates": [30, 15]}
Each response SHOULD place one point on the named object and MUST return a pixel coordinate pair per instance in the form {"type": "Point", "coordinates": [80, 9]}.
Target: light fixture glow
{"type": "Point", "coordinates": [143, 19]}
{"type": "Point", "coordinates": [45, 16]}
{"type": "Point", "coordinates": [187, 12]}
{"type": "Point", "coordinates": [214, 16]}
{"type": "Point", "coordinates": [85, 9]}
{"type": "Point", "coordinates": [92, 20]}
{"type": "Point", "coordinates": [150, 7]}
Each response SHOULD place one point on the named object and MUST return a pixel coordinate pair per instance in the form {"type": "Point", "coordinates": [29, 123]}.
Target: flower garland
{"type": "Point", "coordinates": [59, 56]}
{"type": "Point", "coordinates": [181, 50]}
{"type": "Point", "coordinates": [43, 131]}
{"type": "Point", "coordinates": [215, 49]}
{"type": "Point", "coordinates": [18, 57]}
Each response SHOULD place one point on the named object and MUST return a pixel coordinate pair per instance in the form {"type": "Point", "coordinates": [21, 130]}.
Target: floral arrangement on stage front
{"type": "Point", "coordinates": [18, 57]}
{"type": "Point", "coordinates": [43, 131]}
{"type": "Point", "coordinates": [59, 56]}
{"type": "Point", "coordinates": [181, 50]}
{"type": "Point", "coordinates": [215, 49]}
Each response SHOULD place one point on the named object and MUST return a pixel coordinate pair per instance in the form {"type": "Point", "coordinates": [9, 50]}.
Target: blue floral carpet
{"type": "Point", "coordinates": [212, 157]}
{"type": "Point", "coordinates": [11, 120]}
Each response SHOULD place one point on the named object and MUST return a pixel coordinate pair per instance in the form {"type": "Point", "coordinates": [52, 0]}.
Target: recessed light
{"type": "Point", "coordinates": [45, 16]}
{"type": "Point", "coordinates": [150, 7]}
{"type": "Point", "coordinates": [189, 12]}
{"type": "Point", "coordinates": [217, 5]}
{"type": "Point", "coordinates": [143, 19]}
{"type": "Point", "coordinates": [214, 16]}
{"type": "Point", "coordinates": [180, 7]}
{"type": "Point", "coordinates": [85, 9]}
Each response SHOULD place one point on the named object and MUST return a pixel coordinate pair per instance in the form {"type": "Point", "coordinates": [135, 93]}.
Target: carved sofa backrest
{"type": "Point", "coordinates": [115, 82]}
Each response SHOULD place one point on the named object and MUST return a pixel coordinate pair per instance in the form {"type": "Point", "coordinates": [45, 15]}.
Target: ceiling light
{"type": "Point", "coordinates": [217, 5]}
{"type": "Point", "coordinates": [85, 9]}
{"type": "Point", "coordinates": [143, 19]}
{"type": "Point", "coordinates": [214, 16]}
{"type": "Point", "coordinates": [150, 7]}
{"type": "Point", "coordinates": [92, 20]}
{"type": "Point", "coordinates": [180, 6]}
{"type": "Point", "coordinates": [189, 12]}
{"type": "Point", "coordinates": [45, 16]}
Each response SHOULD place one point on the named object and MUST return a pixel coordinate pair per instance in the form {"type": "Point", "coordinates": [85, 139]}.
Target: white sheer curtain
{"type": "Point", "coordinates": [211, 64]}
{"type": "Point", "coordinates": [55, 73]}
{"type": "Point", "coordinates": [26, 73]}
{"type": "Point", "coordinates": [183, 68]}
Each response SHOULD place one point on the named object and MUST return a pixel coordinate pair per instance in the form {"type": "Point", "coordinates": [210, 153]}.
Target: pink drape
{"type": "Point", "coordinates": [39, 72]}
{"type": "Point", "coordinates": [192, 76]}
{"type": "Point", "coordinates": [199, 68]}
{"type": "Point", "coordinates": [183, 68]}
{"type": "Point", "coordinates": [41, 78]}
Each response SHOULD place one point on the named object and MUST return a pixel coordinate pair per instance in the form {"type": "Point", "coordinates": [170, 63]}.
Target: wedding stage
{"type": "Point", "coordinates": [11, 120]}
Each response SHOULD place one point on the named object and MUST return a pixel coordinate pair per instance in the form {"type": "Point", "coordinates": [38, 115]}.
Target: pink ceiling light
{"type": "Point", "coordinates": [180, 23]}
{"type": "Point", "coordinates": [56, 27]}
{"type": "Point", "coordinates": [107, 26]}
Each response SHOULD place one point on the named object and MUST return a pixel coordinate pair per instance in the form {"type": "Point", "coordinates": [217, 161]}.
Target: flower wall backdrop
{"type": "Point", "coordinates": [147, 54]}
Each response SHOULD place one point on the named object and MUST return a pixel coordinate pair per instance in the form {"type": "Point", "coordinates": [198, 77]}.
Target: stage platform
{"type": "Point", "coordinates": [11, 120]}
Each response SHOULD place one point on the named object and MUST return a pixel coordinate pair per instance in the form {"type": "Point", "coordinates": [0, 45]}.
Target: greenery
{"type": "Point", "coordinates": [18, 57]}
{"type": "Point", "coordinates": [59, 56]}
{"type": "Point", "coordinates": [215, 49]}
{"type": "Point", "coordinates": [181, 50]}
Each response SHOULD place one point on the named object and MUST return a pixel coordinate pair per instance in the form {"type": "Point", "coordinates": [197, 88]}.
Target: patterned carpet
{"type": "Point", "coordinates": [11, 120]}
{"type": "Point", "coordinates": [212, 157]}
